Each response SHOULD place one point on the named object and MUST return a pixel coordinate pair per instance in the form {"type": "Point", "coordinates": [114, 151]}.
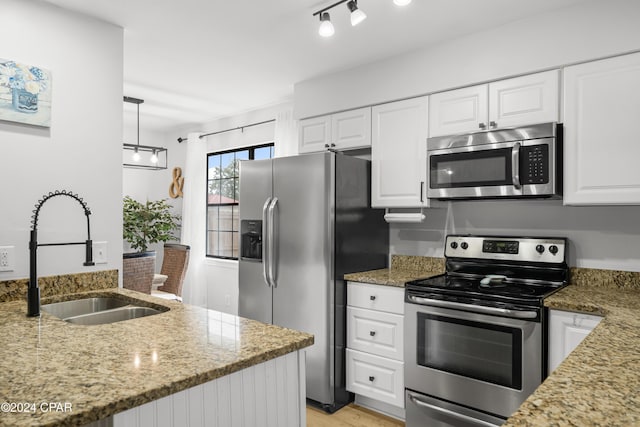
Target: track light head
{"type": "Point", "coordinates": [326, 27]}
{"type": "Point", "coordinates": [357, 16]}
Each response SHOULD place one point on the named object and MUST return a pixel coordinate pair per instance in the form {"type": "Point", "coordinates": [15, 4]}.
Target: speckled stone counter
{"type": "Point", "coordinates": [404, 268]}
{"type": "Point", "coordinates": [105, 369]}
{"type": "Point", "coordinates": [598, 384]}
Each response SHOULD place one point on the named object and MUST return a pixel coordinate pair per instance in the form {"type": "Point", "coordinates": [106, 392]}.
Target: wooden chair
{"type": "Point", "coordinates": [174, 266]}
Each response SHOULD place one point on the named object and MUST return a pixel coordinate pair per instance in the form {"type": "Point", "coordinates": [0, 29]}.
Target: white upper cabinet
{"type": "Point", "coordinates": [507, 103]}
{"type": "Point", "coordinates": [399, 154]}
{"type": "Point", "coordinates": [458, 111]}
{"type": "Point", "coordinates": [342, 131]}
{"type": "Point", "coordinates": [314, 134]}
{"type": "Point", "coordinates": [525, 100]}
{"type": "Point", "coordinates": [601, 143]}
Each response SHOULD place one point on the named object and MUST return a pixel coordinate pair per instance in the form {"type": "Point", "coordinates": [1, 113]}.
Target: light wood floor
{"type": "Point", "coordinates": [351, 415]}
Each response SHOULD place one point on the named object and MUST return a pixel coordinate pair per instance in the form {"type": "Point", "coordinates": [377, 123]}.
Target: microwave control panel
{"type": "Point", "coordinates": [534, 168]}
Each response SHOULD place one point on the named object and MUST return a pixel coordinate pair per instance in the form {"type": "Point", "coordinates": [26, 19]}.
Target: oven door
{"type": "Point", "coordinates": [506, 169]}
{"type": "Point", "coordinates": [486, 362]}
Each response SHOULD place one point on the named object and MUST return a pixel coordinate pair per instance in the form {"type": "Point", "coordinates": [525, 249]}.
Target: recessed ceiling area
{"type": "Point", "coordinates": [195, 61]}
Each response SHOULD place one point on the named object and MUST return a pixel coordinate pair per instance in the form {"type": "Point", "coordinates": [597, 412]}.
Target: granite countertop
{"type": "Point", "coordinates": [404, 268]}
{"type": "Point", "coordinates": [598, 384]}
{"type": "Point", "coordinates": [105, 369]}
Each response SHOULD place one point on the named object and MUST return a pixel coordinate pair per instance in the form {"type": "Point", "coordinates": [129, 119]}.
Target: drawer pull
{"type": "Point", "coordinates": [372, 333]}
{"type": "Point", "coordinates": [372, 378]}
{"type": "Point", "coordinates": [372, 297]}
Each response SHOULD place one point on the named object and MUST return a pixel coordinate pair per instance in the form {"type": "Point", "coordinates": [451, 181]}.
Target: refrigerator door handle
{"type": "Point", "coordinates": [265, 242]}
{"type": "Point", "coordinates": [273, 247]}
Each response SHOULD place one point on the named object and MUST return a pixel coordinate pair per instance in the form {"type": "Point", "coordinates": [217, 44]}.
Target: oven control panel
{"type": "Point", "coordinates": [529, 249]}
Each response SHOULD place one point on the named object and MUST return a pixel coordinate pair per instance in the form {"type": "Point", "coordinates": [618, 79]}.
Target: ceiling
{"type": "Point", "coordinates": [194, 61]}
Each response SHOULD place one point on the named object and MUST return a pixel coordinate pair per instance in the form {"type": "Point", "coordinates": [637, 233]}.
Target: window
{"type": "Point", "coordinates": [223, 206]}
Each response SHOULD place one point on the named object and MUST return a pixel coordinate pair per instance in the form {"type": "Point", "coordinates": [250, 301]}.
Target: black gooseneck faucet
{"type": "Point", "coordinates": [33, 292]}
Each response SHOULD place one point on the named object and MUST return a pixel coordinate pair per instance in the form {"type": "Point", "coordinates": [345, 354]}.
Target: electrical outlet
{"type": "Point", "coordinates": [100, 252]}
{"type": "Point", "coordinates": [7, 260]}
{"type": "Point", "coordinates": [227, 300]}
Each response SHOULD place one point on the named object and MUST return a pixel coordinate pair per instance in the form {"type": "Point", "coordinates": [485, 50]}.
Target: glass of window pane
{"type": "Point", "coordinates": [212, 243]}
{"type": "Point", "coordinates": [228, 165]}
{"type": "Point", "coordinates": [213, 196]}
{"type": "Point", "coordinates": [262, 153]}
{"type": "Point", "coordinates": [226, 218]}
{"type": "Point", "coordinates": [227, 192]}
{"type": "Point", "coordinates": [214, 166]}
{"type": "Point", "coordinates": [240, 155]}
{"type": "Point", "coordinates": [236, 244]}
{"type": "Point", "coordinates": [225, 241]}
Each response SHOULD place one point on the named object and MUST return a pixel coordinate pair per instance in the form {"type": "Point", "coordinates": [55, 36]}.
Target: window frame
{"type": "Point", "coordinates": [251, 151]}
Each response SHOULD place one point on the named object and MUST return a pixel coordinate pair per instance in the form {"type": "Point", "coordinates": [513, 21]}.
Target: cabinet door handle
{"type": "Point", "coordinates": [333, 145]}
{"type": "Point", "coordinates": [493, 124]}
{"type": "Point", "coordinates": [372, 333]}
{"type": "Point", "coordinates": [326, 145]}
{"type": "Point", "coordinates": [372, 297]}
{"type": "Point", "coordinates": [482, 125]}
{"type": "Point", "coordinates": [421, 191]}
{"type": "Point", "coordinates": [372, 378]}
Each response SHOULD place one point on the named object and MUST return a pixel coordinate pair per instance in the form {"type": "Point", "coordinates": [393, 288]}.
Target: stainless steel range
{"type": "Point", "coordinates": [475, 337]}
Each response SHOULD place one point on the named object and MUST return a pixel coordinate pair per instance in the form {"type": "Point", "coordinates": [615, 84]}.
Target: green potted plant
{"type": "Point", "coordinates": [145, 224]}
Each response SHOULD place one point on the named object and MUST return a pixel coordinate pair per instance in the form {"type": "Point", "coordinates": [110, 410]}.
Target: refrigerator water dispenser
{"type": "Point", "coordinates": [251, 235]}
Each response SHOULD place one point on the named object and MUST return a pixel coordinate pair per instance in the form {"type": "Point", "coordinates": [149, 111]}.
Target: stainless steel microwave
{"type": "Point", "coordinates": [507, 163]}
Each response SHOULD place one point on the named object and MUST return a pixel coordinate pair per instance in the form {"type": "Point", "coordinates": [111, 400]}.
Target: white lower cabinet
{"type": "Point", "coordinates": [375, 345]}
{"type": "Point", "coordinates": [566, 330]}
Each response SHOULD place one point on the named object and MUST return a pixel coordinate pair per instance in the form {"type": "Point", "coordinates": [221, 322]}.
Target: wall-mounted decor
{"type": "Point", "coordinates": [177, 184]}
{"type": "Point", "coordinates": [25, 93]}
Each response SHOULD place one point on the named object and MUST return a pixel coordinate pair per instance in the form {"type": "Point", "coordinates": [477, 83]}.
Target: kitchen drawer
{"type": "Point", "coordinates": [375, 332]}
{"type": "Point", "coordinates": [375, 377]}
{"type": "Point", "coordinates": [376, 297]}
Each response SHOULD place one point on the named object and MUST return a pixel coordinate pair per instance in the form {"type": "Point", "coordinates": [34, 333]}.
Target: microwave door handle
{"type": "Point", "coordinates": [265, 243]}
{"type": "Point", "coordinates": [454, 416]}
{"type": "Point", "coordinates": [515, 165]}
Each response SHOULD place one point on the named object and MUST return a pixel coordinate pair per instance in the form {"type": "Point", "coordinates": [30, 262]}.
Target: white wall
{"type": "Point", "coordinates": [577, 33]}
{"type": "Point", "coordinates": [80, 152]}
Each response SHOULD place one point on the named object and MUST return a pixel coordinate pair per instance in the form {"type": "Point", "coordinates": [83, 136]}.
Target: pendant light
{"type": "Point", "coordinates": [133, 158]}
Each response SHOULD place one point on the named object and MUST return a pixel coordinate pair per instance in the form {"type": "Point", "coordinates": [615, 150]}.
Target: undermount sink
{"type": "Point", "coordinates": [98, 310]}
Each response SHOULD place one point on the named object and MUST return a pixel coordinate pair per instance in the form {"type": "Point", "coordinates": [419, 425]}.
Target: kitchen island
{"type": "Point", "coordinates": [58, 374]}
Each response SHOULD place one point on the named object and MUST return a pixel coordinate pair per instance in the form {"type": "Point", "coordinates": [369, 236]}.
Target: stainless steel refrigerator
{"type": "Point", "coordinates": [305, 222]}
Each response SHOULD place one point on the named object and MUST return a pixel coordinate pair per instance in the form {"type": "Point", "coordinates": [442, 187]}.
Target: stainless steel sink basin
{"type": "Point", "coordinates": [98, 310]}
{"type": "Point", "coordinates": [82, 306]}
{"type": "Point", "coordinates": [111, 316]}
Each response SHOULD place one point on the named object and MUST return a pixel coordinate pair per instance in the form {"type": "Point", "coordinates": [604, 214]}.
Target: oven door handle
{"type": "Point", "coordinates": [517, 314]}
{"type": "Point", "coordinates": [451, 414]}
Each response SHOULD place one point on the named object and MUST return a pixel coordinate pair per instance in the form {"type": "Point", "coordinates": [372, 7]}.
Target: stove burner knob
{"type": "Point", "coordinates": [553, 249]}
{"type": "Point", "coordinates": [540, 249]}
{"type": "Point", "coordinates": [464, 245]}
{"type": "Point", "coordinates": [454, 245]}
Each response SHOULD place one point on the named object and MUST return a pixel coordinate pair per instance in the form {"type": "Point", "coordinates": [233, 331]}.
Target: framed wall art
{"type": "Point", "coordinates": [25, 93]}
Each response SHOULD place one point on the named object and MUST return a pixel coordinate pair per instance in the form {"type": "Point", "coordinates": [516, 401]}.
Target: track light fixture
{"type": "Point", "coordinates": [326, 27]}
{"type": "Point", "coordinates": [357, 15]}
